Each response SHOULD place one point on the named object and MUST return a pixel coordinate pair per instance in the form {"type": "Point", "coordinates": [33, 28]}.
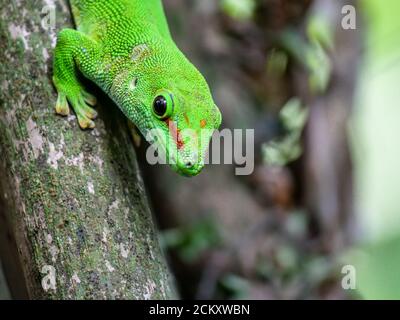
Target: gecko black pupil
{"type": "Point", "coordinates": [160, 106]}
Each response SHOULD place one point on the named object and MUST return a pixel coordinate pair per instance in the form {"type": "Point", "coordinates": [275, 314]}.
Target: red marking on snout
{"type": "Point", "coordinates": [175, 133]}
{"type": "Point", "coordinates": [203, 123]}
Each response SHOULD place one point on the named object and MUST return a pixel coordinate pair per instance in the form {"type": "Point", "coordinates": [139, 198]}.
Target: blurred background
{"type": "Point", "coordinates": [325, 193]}
{"type": "Point", "coordinates": [323, 101]}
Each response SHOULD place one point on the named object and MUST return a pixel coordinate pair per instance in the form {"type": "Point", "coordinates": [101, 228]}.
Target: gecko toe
{"type": "Point", "coordinates": [85, 123]}
{"type": "Point", "coordinates": [89, 98]}
{"type": "Point", "coordinates": [62, 107]}
{"type": "Point", "coordinates": [84, 113]}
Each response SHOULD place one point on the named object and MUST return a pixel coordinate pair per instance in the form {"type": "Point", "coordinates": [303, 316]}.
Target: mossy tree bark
{"type": "Point", "coordinates": [74, 218]}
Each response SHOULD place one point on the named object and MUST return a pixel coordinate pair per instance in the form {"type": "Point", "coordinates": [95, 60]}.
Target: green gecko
{"type": "Point", "coordinates": [125, 47]}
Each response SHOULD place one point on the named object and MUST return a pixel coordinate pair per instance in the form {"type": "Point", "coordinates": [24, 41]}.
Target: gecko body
{"type": "Point", "coordinates": [125, 47]}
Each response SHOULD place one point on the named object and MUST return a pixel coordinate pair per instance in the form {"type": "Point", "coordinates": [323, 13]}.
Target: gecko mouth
{"type": "Point", "coordinates": [188, 169]}
{"type": "Point", "coordinates": [183, 165]}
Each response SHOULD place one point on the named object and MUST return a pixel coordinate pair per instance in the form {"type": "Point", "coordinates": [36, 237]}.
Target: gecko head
{"type": "Point", "coordinates": [186, 127]}
{"type": "Point", "coordinates": [173, 108]}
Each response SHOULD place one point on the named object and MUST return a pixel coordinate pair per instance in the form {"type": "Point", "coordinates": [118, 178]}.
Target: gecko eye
{"type": "Point", "coordinates": [163, 106]}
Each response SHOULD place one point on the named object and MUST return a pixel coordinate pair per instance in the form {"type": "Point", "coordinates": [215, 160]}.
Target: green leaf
{"type": "Point", "coordinates": [281, 151]}
{"type": "Point", "coordinates": [239, 9]}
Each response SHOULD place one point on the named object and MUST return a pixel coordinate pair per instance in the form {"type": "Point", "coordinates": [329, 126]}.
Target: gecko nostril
{"type": "Point", "coordinates": [188, 164]}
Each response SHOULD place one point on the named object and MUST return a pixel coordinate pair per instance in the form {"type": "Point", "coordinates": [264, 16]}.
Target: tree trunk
{"type": "Point", "coordinates": [74, 218]}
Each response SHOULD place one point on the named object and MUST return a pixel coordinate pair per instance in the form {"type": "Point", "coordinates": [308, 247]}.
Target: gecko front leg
{"type": "Point", "coordinates": [75, 52]}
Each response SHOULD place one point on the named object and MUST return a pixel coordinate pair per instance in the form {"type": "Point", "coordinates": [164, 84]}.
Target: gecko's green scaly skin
{"type": "Point", "coordinates": [125, 47]}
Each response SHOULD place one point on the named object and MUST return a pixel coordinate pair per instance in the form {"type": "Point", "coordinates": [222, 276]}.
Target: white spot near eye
{"type": "Point", "coordinates": [139, 52]}
{"type": "Point", "coordinates": [133, 84]}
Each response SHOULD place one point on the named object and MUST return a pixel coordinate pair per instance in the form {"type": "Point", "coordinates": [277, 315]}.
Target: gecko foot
{"type": "Point", "coordinates": [80, 103]}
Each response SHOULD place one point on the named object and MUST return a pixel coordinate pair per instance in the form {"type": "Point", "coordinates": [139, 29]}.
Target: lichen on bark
{"type": "Point", "coordinates": [72, 201]}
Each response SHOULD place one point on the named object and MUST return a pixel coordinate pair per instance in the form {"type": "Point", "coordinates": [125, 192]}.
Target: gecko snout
{"type": "Point", "coordinates": [189, 167]}
{"type": "Point", "coordinates": [189, 164]}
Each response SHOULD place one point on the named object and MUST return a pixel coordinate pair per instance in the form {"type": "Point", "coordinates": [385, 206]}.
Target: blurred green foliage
{"type": "Point", "coordinates": [375, 131]}
{"type": "Point", "coordinates": [235, 286]}
{"type": "Point", "coordinates": [319, 66]}
{"type": "Point", "coordinates": [239, 9]}
{"type": "Point", "coordinates": [277, 63]}
{"type": "Point", "coordinates": [320, 31]}
{"type": "Point", "coordinates": [321, 36]}
{"type": "Point", "coordinates": [311, 53]}
{"type": "Point", "coordinates": [377, 270]}
{"type": "Point", "coordinates": [281, 151]}
{"type": "Point", "coordinates": [192, 240]}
